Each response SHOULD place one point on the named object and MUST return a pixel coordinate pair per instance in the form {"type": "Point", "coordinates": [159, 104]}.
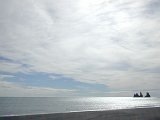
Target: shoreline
{"type": "Point", "coordinates": [35, 114]}
{"type": "Point", "coordinates": [121, 114]}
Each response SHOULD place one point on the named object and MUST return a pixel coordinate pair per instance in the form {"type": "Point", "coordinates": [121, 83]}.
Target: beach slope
{"type": "Point", "coordinates": [127, 114]}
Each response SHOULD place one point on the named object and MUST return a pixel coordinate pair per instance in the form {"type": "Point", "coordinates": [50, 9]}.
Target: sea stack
{"type": "Point", "coordinates": [147, 94]}
{"type": "Point", "coordinates": [137, 95]}
{"type": "Point", "coordinates": [141, 95]}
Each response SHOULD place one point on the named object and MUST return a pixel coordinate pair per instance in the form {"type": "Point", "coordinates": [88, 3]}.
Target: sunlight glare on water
{"type": "Point", "coordinates": [112, 103]}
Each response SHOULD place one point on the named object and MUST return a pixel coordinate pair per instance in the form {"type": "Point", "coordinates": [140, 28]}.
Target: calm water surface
{"type": "Point", "coordinates": [39, 105]}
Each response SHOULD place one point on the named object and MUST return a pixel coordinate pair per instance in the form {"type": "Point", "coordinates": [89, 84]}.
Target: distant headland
{"type": "Point", "coordinates": [141, 95]}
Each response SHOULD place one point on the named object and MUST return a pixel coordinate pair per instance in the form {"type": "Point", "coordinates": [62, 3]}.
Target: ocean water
{"type": "Point", "coordinates": [40, 105]}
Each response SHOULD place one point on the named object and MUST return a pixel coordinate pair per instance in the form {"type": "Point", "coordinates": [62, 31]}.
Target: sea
{"type": "Point", "coordinates": [16, 106]}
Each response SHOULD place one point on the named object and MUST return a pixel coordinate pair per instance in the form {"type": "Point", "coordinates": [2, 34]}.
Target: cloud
{"type": "Point", "coordinates": [54, 77]}
{"type": "Point", "coordinates": [115, 43]}
{"type": "Point", "coordinates": [12, 67]}
{"type": "Point", "coordinates": [17, 90]}
{"type": "Point", "coordinates": [6, 76]}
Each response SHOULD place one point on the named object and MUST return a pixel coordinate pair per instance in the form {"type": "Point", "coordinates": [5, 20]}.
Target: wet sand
{"type": "Point", "coordinates": [127, 114]}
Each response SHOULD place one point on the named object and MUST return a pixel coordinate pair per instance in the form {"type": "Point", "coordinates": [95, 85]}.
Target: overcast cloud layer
{"type": "Point", "coordinates": [110, 42]}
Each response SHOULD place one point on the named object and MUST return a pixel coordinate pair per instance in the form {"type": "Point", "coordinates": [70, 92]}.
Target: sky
{"type": "Point", "coordinates": [56, 48]}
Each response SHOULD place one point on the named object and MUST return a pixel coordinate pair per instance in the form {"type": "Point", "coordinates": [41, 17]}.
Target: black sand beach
{"type": "Point", "coordinates": [127, 114]}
